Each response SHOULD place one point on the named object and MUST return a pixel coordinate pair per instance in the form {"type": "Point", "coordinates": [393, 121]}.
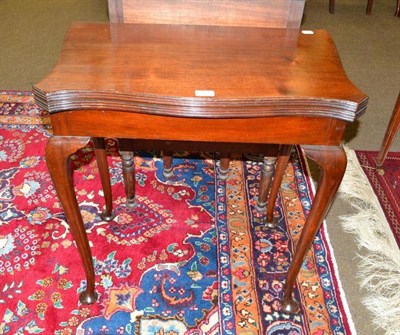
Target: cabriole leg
{"type": "Point", "coordinates": [332, 161]}
{"type": "Point", "coordinates": [283, 159]}
{"type": "Point", "coordinates": [58, 152]}
{"type": "Point", "coordinates": [391, 131]}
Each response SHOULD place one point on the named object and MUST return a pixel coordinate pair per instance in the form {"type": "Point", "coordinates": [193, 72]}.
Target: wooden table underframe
{"type": "Point", "coordinates": [292, 91]}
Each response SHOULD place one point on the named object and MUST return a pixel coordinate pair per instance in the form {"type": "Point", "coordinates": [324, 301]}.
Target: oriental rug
{"type": "Point", "coordinates": [193, 256]}
{"type": "Point", "coordinates": [373, 198]}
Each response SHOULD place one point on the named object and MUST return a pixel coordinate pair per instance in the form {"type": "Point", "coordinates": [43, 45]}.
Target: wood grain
{"type": "Point", "coordinates": [156, 69]}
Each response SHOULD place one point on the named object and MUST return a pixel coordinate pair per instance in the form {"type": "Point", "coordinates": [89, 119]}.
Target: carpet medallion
{"type": "Point", "coordinates": [193, 256]}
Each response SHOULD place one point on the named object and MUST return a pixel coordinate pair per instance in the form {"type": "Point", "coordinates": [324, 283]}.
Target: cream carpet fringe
{"type": "Point", "coordinates": [379, 270]}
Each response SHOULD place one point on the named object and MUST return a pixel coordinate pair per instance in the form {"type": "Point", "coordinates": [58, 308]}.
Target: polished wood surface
{"type": "Point", "coordinates": [233, 13]}
{"type": "Point", "coordinates": [254, 72]}
{"type": "Point", "coordinates": [137, 81]}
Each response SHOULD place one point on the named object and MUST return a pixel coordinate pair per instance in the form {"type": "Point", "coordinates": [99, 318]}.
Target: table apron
{"type": "Point", "coordinates": [272, 130]}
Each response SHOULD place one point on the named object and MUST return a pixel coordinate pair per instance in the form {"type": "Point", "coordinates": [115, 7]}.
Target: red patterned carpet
{"type": "Point", "coordinates": [386, 186]}
{"type": "Point", "coordinates": [192, 258]}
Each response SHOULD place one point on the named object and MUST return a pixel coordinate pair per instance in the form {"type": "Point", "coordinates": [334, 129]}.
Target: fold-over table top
{"type": "Point", "coordinates": [201, 72]}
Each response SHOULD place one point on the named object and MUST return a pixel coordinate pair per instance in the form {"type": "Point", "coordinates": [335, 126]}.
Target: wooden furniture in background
{"type": "Point", "coordinates": [239, 13]}
{"type": "Point", "coordinates": [369, 7]}
{"type": "Point", "coordinates": [133, 81]}
{"type": "Point", "coordinates": [391, 131]}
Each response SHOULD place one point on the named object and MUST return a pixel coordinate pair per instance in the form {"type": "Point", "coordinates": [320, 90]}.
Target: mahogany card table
{"type": "Point", "coordinates": [199, 87]}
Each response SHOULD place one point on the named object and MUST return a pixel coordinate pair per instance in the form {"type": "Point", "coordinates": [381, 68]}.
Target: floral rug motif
{"type": "Point", "coordinates": [386, 186]}
{"type": "Point", "coordinates": [193, 257]}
